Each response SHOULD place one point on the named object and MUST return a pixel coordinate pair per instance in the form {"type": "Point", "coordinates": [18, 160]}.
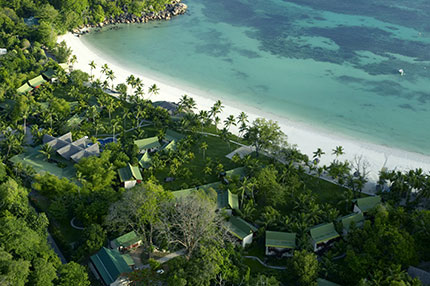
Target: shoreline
{"type": "Point", "coordinates": [306, 137]}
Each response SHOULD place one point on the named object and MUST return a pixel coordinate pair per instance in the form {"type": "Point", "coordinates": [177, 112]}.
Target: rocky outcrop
{"type": "Point", "coordinates": [173, 9]}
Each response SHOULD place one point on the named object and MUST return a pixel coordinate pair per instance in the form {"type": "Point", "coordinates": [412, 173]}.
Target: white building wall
{"type": "Point", "coordinates": [129, 184]}
{"type": "Point", "coordinates": [247, 240]}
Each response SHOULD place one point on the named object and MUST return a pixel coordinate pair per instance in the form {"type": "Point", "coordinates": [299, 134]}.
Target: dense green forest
{"type": "Point", "coordinates": [176, 205]}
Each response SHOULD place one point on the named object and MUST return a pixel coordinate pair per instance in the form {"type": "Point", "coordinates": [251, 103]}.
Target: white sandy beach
{"type": "Point", "coordinates": [307, 138]}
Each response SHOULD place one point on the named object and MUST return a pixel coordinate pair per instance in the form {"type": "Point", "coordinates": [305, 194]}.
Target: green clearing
{"type": "Point", "coordinates": [217, 150]}
{"type": "Point", "coordinates": [33, 158]}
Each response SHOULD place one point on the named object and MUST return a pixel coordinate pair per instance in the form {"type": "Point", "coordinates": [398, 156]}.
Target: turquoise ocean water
{"type": "Point", "coordinates": [331, 64]}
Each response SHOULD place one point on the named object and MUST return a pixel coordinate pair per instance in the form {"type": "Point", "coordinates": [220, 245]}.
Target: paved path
{"type": "Point", "coordinates": [72, 223]}
{"type": "Point", "coordinates": [55, 247]}
{"type": "Point", "coordinates": [265, 265]}
{"type": "Point", "coordinates": [241, 151]}
{"type": "Point", "coordinates": [167, 257]}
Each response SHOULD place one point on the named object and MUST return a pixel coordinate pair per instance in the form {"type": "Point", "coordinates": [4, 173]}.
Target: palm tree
{"type": "Point", "coordinates": [47, 151]}
{"type": "Point", "coordinates": [229, 121]}
{"type": "Point", "coordinates": [138, 82]}
{"type": "Point", "coordinates": [217, 120]}
{"type": "Point", "coordinates": [111, 76]}
{"type": "Point", "coordinates": [111, 105]}
{"type": "Point", "coordinates": [98, 126]}
{"type": "Point", "coordinates": [153, 89]}
{"type": "Point", "coordinates": [122, 89]}
{"type": "Point", "coordinates": [186, 104]}
{"type": "Point", "coordinates": [73, 60]}
{"type": "Point", "coordinates": [216, 109]}
{"type": "Point", "coordinates": [131, 81]}
{"type": "Point", "coordinates": [338, 151]}
{"type": "Point", "coordinates": [242, 119]}
{"type": "Point", "coordinates": [116, 125]}
{"type": "Point", "coordinates": [92, 113]}
{"type": "Point", "coordinates": [140, 112]}
{"type": "Point", "coordinates": [139, 91]}
{"type": "Point", "coordinates": [225, 136]}
{"type": "Point", "coordinates": [93, 66]}
{"type": "Point", "coordinates": [318, 153]}
{"type": "Point", "coordinates": [105, 69]}
{"type": "Point", "coordinates": [204, 146]}
{"type": "Point", "coordinates": [204, 118]}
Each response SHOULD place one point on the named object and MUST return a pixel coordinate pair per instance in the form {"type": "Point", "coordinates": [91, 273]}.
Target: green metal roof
{"type": "Point", "coordinates": [239, 228]}
{"type": "Point", "coordinates": [147, 143]}
{"type": "Point", "coordinates": [64, 66]}
{"type": "Point", "coordinates": [35, 82]}
{"type": "Point", "coordinates": [170, 146]}
{"type": "Point", "coordinates": [323, 282]}
{"type": "Point", "coordinates": [323, 232]}
{"type": "Point", "coordinates": [24, 88]}
{"type": "Point", "coordinates": [357, 218]}
{"type": "Point", "coordinates": [145, 160]}
{"type": "Point", "coordinates": [187, 192]}
{"type": "Point", "coordinates": [74, 121]}
{"type": "Point", "coordinates": [226, 199]}
{"type": "Point", "coordinates": [280, 239]}
{"type": "Point", "coordinates": [236, 172]}
{"type": "Point", "coordinates": [129, 173]}
{"type": "Point", "coordinates": [49, 74]}
{"type": "Point", "coordinates": [127, 239]}
{"type": "Point", "coordinates": [110, 264]}
{"type": "Point", "coordinates": [368, 203]}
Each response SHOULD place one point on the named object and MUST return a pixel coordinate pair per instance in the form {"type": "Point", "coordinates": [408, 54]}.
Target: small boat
{"type": "Point", "coordinates": [402, 72]}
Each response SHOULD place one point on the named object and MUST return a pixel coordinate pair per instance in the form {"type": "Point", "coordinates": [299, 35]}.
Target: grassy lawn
{"type": "Point", "coordinates": [33, 158]}
{"type": "Point", "coordinates": [217, 151]}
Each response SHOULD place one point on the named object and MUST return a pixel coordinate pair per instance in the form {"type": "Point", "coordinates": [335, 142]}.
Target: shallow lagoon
{"type": "Point", "coordinates": [332, 65]}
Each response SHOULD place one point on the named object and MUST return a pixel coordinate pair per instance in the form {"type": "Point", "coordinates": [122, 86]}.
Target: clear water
{"type": "Point", "coordinates": [331, 64]}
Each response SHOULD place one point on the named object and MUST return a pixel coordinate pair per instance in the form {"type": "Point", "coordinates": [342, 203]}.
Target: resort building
{"type": "Point", "coordinates": [148, 144]}
{"type": "Point", "coordinates": [171, 107]}
{"type": "Point", "coordinates": [130, 176]}
{"type": "Point", "coordinates": [280, 243]}
{"type": "Point", "coordinates": [69, 149]}
{"type": "Point", "coordinates": [108, 265]}
{"type": "Point", "coordinates": [241, 229]}
{"type": "Point", "coordinates": [50, 75]}
{"type": "Point", "coordinates": [228, 201]}
{"type": "Point", "coordinates": [356, 218]}
{"type": "Point", "coordinates": [25, 88]}
{"type": "Point", "coordinates": [366, 204]}
{"type": "Point", "coordinates": [323, 282]}
{"type": "Point", "coordinates": [323, 235]}
{"type": "Point", "coordinates": [145, 160]}
{"type": "Point", "coordinates": [37, 81]}
{"type": "Point", "coordinates": [126, 241]}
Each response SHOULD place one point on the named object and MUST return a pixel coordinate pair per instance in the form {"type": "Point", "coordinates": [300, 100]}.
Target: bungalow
{"type": "Point", "coordinates": [25, 88]}
{"type": "Point", "coordinates": [170, 146]}
{"type": "Point", "coordinates": [171, 107]}
{"type": "Point", "coordinates": [280, 243]}
{"type": "Point", "coordinates": [108, 265]}
{"type": "Point", "coordinates": [241, 230]}
{"type": "Point", "coordinates": [37, 81]}
{"type": "Point", "coordinates": [366, 204]}
{"type": "Point", "coordinates": [126, 241]}
{"type": "Point", "coordinates": [323, 282]}
{"type": "Point", "coordinates": [130, 176]}
{"type": "Point", "coordinates": [50, 75]}
{"type": "Point", "coordinates": [69, 149]}
{"type": "Point", "coordinates": [148, 144]}
{"type": "Point", "coordinates": [356, 218]}
{"type": "Point", "coordinates": [65, 67]}
{"type": "Point", "coordinates": [209, 190]}
{"type": "Point", "coordinates": [145, 160]}
{"type": "Point", "coordinates": [323, 235]}
{"type": "Point", "coordinates": [227, 200]}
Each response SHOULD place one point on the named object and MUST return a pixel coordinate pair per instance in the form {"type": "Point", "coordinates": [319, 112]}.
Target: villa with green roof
{"type": "Point", "coordinates": [126, 241]}
{"type": "Point", "coordinates": [37, 81]}
{"type": "Point", "coordinates": [227, 200]}
{"type": "Point", "coordinates": [148, 144]}
{"type": "Point", "coordinates": [366, 204]}
{"type": "Point", "coordinates": [323, 236]}
{"type": "Point", "coordinates": [145, 160]}
{"type": "Point", "coordinates": [25, 88]}
{"type": "Point", "coordinates": [50, 75]}
{"type": "Point", "coordinates": [356, 218]}
{"type": "Point", "coordinates": [130, 176]}
{"type": "Point", "coordinates": [280, 243]}
{"type": "Point", "coordinates": [241, 229]}
{"type": "Point", "coordinates": [108, 265]}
